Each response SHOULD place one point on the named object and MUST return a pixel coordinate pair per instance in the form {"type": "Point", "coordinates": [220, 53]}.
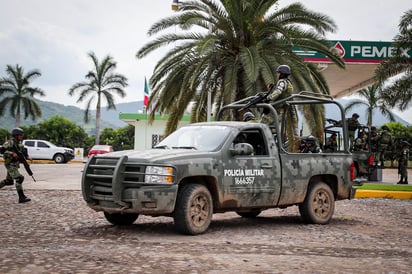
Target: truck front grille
{"type": "Point", "coordinates": [106, 178]}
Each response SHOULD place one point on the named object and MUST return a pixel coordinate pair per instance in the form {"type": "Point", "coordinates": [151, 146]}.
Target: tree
{"type": "Point", "coordinates": [60, 131]}
{"type": "Point", "coordinates": [4, 135]}
{"type": "Point", "coordinates": [102, 82]}
{"type": "Point", "coordinates": [17, 92]}
{"type": "Point", "coordinates": [398, 93]}
{"type": "Point", "coordinates": [120, 139]}
{"type": "Point", "coordinates": [373, 101]}
{"type": "Point", "coordinates": [231, 49]}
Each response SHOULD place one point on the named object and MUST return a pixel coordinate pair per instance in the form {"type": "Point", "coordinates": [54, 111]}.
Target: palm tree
{"type": "Point", "coordinates": [231, 48]}
{"type": "Point", "coordinates": [398, 93]}
{"type": "Point", "coordinates": [373, 101]}
{"type": "Point", "coordinates": [102, 82]}
{"type": "Point", "coordinates": [15, 90]}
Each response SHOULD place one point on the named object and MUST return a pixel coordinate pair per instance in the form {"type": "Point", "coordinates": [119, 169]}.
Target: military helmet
{"type": "Point", "coordinates": [17, 131]}
{"type": "Point", "coordinates": [284, 69]}
{"type": "Point", "coordinates": [355, 115]}
{"type": "Point", "coordinates": [248, 116]}
{"type": "Point", "coordinates": [385, 128]}
{"type": "Point", "coordinates": [405, 143]}
{"type": "Point", "coordinates": [311, 139]}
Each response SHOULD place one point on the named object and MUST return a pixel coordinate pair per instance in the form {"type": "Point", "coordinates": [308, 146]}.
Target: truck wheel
{"type": "Point", "coordinates": [121, 219]}
{"type": "Point", "coordinates": [249, 214]}
{"type": "Point", "coordinates": [58, 158]}
{"type": "Point", "coordinates": [194, 209]}
{"type": "Point", "coordinates": [319, 204]}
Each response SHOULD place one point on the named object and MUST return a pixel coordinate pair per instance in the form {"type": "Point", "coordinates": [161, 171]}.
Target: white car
{"type": "Point", "coordinates": [44, 150]}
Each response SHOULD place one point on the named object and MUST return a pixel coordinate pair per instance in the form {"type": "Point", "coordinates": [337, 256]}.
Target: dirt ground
{"type": "Point", "coordinates": [57, 233]}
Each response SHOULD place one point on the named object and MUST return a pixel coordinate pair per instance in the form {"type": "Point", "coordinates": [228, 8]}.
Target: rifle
{"type": "Point", "coordinates": [333, 122]}
{"type": "Point", "coordinates": [22, 159]}
{"type": "Point", "coordinates": [259, 97]}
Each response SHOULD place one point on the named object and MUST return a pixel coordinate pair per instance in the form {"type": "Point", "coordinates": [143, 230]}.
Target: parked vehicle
{"type": "Point", "coordinates": [44, 150]}
{"type": "Point", "coordinates": [99, 149]}
{"type": "Point", "coordinates": [214, 167]}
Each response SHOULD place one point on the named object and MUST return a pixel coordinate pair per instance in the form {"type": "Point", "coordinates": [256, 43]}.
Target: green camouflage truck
{"type": "Point", "coordinates": [220, 166]}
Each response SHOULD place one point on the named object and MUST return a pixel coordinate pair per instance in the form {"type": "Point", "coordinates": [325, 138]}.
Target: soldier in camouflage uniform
{"type": "Point", "coordinates": [282, 90]}
{"type": "Point", "coordinates": [360, 143]}
{"type": "Point", "coordinates": [385, 141]}
{"type": "Point", "coordinates": [309, 144]}
{"type": "Point", "coordinates": [374, 141]}
{"type": "Point", "coordinates": [249, 117]}
{"type": "Point", "coordinates": [331, 144]}
{"type": "Point", "coordinates": [11, 162]}
{"type": "Point", "coordinates": [353, 125]}
{"type": "Point", "coordinates": [403, 162]}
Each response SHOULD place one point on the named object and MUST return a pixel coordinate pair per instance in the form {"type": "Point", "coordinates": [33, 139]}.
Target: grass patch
{"type": "Point", "coordinates": [385, 187]}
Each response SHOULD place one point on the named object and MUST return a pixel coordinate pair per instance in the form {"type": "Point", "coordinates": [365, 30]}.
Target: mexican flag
{"type": "Point", "coordinates": [146, 93]}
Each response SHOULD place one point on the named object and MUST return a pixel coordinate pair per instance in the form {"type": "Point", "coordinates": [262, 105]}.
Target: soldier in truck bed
{"type": "Point", "coordinates": [353, 125]}
{"type": "Point", "coordinates": [360, 143]}
{"type": "Point", "coordinates": [331, 144]}
{"type": "Point", "coordinates": [282, 89]}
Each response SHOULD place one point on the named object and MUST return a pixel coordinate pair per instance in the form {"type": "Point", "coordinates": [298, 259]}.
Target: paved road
{"type": "Point", "coordinates": [52, 176]}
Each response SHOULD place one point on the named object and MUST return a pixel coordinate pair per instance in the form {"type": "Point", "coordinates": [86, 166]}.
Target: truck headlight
{"type": "Point", "coordinates": [159, 175]}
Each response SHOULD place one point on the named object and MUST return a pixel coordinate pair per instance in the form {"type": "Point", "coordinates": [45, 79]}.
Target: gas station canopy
{"type": "Point", "coordinates": [361, 60]}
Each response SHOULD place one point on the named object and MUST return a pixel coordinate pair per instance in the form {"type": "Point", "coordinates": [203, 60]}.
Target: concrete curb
{"type": "Point", "coordinates": [365, 193]}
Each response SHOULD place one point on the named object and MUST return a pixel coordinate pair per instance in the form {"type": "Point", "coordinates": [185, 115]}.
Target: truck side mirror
{"type": "Point", "coordinates": [242, 149]}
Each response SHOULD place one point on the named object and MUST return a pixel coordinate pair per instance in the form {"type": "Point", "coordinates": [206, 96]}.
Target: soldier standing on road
{"type": "Point", "coordinates": [403, 162]}
{"type": "Point", "coordinates": [11, 162]}
{"type": "Point", "coordinates": [385, 140]}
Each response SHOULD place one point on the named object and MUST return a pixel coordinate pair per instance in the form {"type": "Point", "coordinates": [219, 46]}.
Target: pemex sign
{"type": "Point", "coordinates": [360, 52]}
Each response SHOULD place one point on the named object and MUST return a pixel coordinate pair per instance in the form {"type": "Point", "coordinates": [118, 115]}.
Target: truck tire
{"type": "Point", "coordinates": [194, 209]}
{"type": "Point", "coordinates": [59, 158]}
{"type": "Point", "coordinates": [249, 214]}
{"type": "Point", "coordinates": [121, 219]}
{"type": "Point", "coordinates": [319, 204]}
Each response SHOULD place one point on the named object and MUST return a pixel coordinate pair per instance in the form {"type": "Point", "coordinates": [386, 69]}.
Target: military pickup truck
{"type": "Point", "coordinates": [213, 167]}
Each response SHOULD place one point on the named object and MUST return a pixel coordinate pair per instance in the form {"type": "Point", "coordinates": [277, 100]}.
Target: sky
{"type": "Point", "coordinates": [55, 37]}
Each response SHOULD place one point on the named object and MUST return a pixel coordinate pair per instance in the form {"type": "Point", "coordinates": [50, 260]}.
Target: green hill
{"type": "Point", "coordinates": [50, 109]}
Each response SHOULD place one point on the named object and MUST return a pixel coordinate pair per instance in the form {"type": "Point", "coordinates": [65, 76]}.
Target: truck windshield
{"type": "Point", "coordinates": [203, 138]}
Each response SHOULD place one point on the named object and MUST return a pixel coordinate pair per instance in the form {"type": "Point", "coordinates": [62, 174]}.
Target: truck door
{"type": "Point", "coordinates": [251, 180]}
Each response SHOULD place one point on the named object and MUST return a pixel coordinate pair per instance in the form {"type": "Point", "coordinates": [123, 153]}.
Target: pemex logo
{"type": "Point", "coordinates": [338, 49]}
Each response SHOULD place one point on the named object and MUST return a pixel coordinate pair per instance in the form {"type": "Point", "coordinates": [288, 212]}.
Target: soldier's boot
{"type": "Point", "coordinates": [402, 181]}
{"type": "Point", "coordinates": [22, 197]}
